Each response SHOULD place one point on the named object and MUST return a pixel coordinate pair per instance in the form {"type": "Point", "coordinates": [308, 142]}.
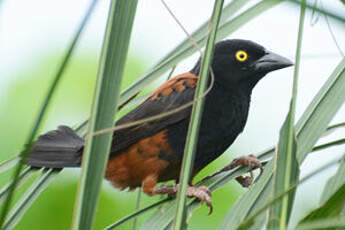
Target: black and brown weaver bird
{"type": "Point", "coordinates": [143, 155]}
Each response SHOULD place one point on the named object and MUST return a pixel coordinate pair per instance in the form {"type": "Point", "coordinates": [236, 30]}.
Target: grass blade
{"type": "Point", "coordinates": [195, 119]}
{"type": "Point", "coordinates": [199, 34]}
{"type": "Point", "coordinates": [136, 214]}
{"type": "Point", "coordinates": [29, 197]}
{"type": "Point", "coordinates": [242, 207]}
{"type": "Point", "coordinates": [334, 183]}
{"type": "Point", "coordinates": [137, 207]}
{"type": "Point", "coordinates": [43, 110]}
{"type": "Point", "coordinates": [248, 222]}
{"type": "Point", "coordinates": [286, 168]}
{"type": "Point", "coordinates": [285, 173]}
{"type": "Point", "coordinates": [8, 164]}
{"type": "Point", "coordinates": [331, 208]}
{"type": "Point", "coordinates": [21, 179]}
{"type": "Point", "coordinates": [317, 9]}
{"type": "Point", "coordinates": [320, 111]}
{"type": "Point", "coordinates": [114, 53]}
{"type": "Point", "coordinates": [329, 144]}
{"type": "Point", "coordinates": [324, 223]}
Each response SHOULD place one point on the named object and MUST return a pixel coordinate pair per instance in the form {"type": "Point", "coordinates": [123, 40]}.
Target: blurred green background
{"type": "Point", "coordinates": [34, 37]}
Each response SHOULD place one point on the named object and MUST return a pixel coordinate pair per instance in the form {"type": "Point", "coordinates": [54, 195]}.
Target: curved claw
{"type": "Point", "coordinates": [203, 194]}
{"type": "Point", "coordinates": [252, 162]}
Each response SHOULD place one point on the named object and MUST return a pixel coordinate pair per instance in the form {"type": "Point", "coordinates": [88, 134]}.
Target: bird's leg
{"type": "Point", "coordinates": [202, 193]}
{"type": "Point", "coordinates": [251, 161]}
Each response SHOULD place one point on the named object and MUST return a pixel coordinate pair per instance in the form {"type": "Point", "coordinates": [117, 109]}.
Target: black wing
{"type": "Point", "coordinates": [171, 95]}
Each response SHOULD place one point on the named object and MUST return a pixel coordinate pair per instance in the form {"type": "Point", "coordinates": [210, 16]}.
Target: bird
{"type": "Point", "coordinates": [146, 154]}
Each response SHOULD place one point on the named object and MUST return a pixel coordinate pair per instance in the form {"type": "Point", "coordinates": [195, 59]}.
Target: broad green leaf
{"type": "Point", "coordinates": [331, 208]}
{"type": "Point", "coordinates": [285, 173]}
{"type": "Point", "coordinates": [106, 97]}
{"type": "Point", "coordinates": [261, 219]}
{"type": "Point", "coordinates": [320, 111]}
{"type": "Point", "coordinates": [286, 168]}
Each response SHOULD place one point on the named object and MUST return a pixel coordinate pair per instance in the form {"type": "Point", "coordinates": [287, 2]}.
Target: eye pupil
{"type": "Point", "coordinates": [241, 55]}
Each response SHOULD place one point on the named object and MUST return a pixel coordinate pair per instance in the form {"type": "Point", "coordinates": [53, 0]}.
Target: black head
{"type": "Point", "coordinates": [239, 62]}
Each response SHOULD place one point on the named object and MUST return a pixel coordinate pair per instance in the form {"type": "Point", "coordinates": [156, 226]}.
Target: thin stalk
{"type": "Point", "coordinates": [192, 136]}
{"type": "Point", "coordinates": [8, 164]}
{"type": "Point", "coordinates": [137, 207]}
{"type": "Point", "coordinates": [43, 110]}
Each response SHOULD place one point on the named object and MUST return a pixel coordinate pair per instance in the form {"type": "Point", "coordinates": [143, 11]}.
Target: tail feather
{"type": "Point", "coordinates": [57, 149]}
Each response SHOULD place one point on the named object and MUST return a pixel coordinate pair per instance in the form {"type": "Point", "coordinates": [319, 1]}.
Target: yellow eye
{"type": "Point", "coordinates": [241, 55]}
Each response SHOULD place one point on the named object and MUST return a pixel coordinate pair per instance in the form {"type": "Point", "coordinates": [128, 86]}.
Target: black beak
{"type": "Point", "coordinates": [271, 61]}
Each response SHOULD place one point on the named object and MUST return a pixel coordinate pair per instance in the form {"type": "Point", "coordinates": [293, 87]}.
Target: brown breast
{"type": "Point", "coordinates": [139, 162]}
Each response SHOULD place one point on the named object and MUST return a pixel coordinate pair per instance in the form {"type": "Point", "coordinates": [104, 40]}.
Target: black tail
{"type": "Point", "coordinates": [57, 149]}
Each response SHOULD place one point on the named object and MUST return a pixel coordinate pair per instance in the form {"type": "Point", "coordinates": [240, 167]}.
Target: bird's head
{"type": "Point", "coordinates": [239, 62]}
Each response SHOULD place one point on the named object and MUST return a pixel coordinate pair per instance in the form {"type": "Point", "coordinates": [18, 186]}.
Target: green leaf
{"type": "Point", "coordinates": [334, 183]}
{"type": "Point", "coordinates": [247, 223]}
{"type": "Point", "coordinates": [285, 173]}
{"type": "Point", "coordinates": [332, 208]}
{"type": "Point", "coordinates": [320, 111]}
{"type": "Point", "coordinates": [286, 168]}
{"type": "Point", "coordinates": [315, 8]}
{"type": "Point", "coordinates": [136, 214]}
{"type": "Point", "coordinates": [95, 156]}
{"type": "Point", "coordinates": [8, 164]}
{"type": "Point", "coordinates": [195, 119]}
{"type": "Point", "coordinates": [324, 223]}
{"type": "Point", "coordinates": [243, 206]}
{"type": "Point", "coordinates": [29, 197]}
{"type": "Point", "coordinates": [26, 174]}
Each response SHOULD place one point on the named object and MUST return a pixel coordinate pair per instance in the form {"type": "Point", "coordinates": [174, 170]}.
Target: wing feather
{"type": "Point", "coordinates": [170, 95]}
